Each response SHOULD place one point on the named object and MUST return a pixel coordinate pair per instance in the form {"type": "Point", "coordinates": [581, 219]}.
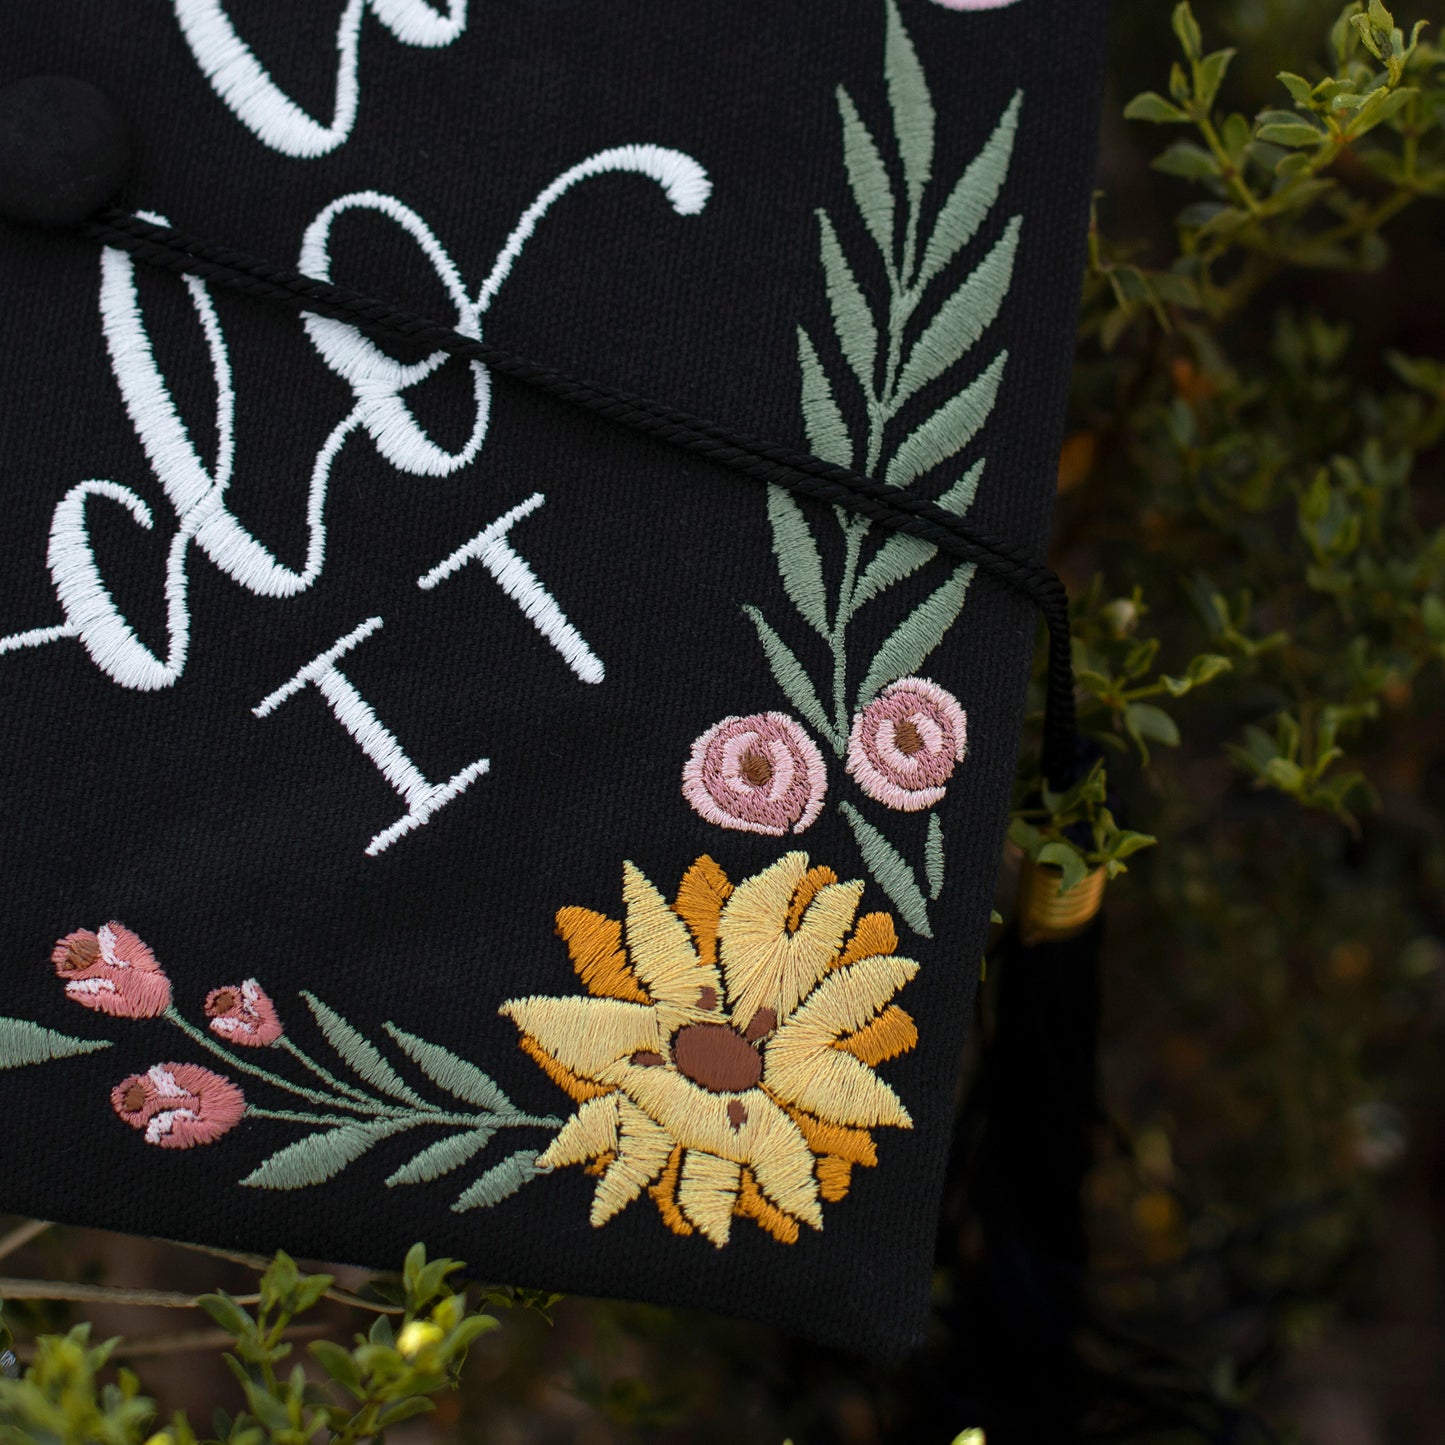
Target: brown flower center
{"type": "Point", "coordinates": [82, 953]}
{"type": "Point", "coordinates": [716, 1057]}
{"type": "Point", "coordinates": [756, 769]}
{"type": "Point", "coordinates": [908, 738]}
{"type": "Point", "coordinates": [134, 1098]}
{"type": "Point", "coordinates": [222, 1004]}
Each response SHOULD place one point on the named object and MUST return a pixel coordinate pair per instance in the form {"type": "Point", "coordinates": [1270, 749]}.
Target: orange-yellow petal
{"type": "Point", "coordinates": [594, 943]}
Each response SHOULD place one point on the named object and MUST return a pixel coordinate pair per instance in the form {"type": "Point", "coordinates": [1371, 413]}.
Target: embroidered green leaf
{"type": "Point", "coordinates": [933, 855]}
{"type": "Point", "coordinates": [913, 120]}
{"type": "Point", "coordinates": [963, 318]}
{"type": "Point", "coordinates": [499, 1182]}
{"type": "Point", "coordinates": [901, 555]}
{"type": "Point", "coordinates": [852, 320]}
{"type": "Point", "coordinates": [868, 177]}
{"type": "Point", "coordinates": [22, 1042]}
{"type": "Point", "coordinates": [799, 564]}
{"type": "Point", "coordinates": [317, 1157]}
{"type": "Point", "coordinates": [973, 197]}
{"type": "Point", "coordinates": [441, 1158]}
{"type": "Point", "coordinates": [917, 635]}
{"type": "Point", "coordinates": [360, 1054]}
{"type": "Point", "coordinates": [950, 428]}
{"type": "Point", "coordinates": [453, 1074]}
{"type": "Point", "coordinates": [789, 673]}
{"type": "Point", "coordinates": [827, 431]}
{"type": "Point", "coordinates": [891, 873]}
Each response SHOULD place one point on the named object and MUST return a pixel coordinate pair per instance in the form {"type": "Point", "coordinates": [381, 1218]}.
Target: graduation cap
{"type": "Point", "coordinates": [520, 571]}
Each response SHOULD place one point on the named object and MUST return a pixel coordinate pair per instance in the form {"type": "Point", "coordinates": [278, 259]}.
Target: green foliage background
{"type": "Point", "coordinates": [1251, 524]}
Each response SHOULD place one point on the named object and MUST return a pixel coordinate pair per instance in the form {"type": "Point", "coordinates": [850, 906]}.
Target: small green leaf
{"type": "Point", "coordinates": [973, 197]}
{"type": "Point", "coordinates": [1187, 160]}
{"type": "Point", "coordinates": [933, 856]}
{"type": "Point", "coordinates": [950, 428]}
{"type": "Point", "coordinates": [1071, 864]}
{"type": "Point", "coordinates": [913, 118]}
{"type": "Point", "coordinates": [361, 1056]}
{"type": "Point", "coordinates": [441, 1158]}
{"type": "Point", "coordinates": [226, 1313]}
{"type": "Point", "coordinates": [917, 635]}
{"type": "Point", "coordinates": [891, 873]}
{"type": "Point", "coordinates": [827, 432]}
{"type": "Point", "coordinates": [1212, 70]}
{"type": "Point", "coordinates": [901, 555]}
{"type": "Point", "coordinates": [1146, 721]}
{"type": "Point", "coordinates": [22, 1042]}
{"type": "Point", "coordinates": [1186, 27]}
{"type": "Point", "coordinates": [451, 1073]}
{"type": "Point", "coordinates": [789, 674]}
{"type": "Point", "coordinates": [852, 320]}
{"type": "Point", "coordinates": [963, 318]}
{"type": "Point", "coordinates": [339, 1365]}
{"type": "Point", "coordinates": [1152, 106]}
{"type": "Point", "coordinates": [319, 1156]}
{"type": "Point", "coordinates": [499, 1182]}
{"type": "Point", "coordinates": [868, 177]}
{"type": "Point", "coordinates": [1290, 133]}
{"type": "Point", "coordinates": [799, 564]}
{"type": "Point", "coordinates": [1299, 88]}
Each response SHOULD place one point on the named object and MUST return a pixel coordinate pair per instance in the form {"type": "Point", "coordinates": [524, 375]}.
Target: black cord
{"type": "Point", "coordinates": [892, 508]}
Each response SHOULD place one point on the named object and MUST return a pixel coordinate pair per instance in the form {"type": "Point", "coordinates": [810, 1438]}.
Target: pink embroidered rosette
{"type": "Point", "coordinates": [974, 4]}
{"type": "Point", "coordinates": [179, 1105]}
{"type": "Point", "coordinates": [904, 745]}
{"type": "Point", "coordinates": [759, 774]}
{"type": "Point", "coordinates": [113, 971]}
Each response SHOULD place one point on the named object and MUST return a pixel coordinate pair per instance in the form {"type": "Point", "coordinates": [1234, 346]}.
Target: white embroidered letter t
{"type": "Point", "coordinates": [356, 715]}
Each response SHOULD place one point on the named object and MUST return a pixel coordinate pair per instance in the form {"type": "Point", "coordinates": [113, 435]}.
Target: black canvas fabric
{"type": "Point", "coordinates": [233, 846]}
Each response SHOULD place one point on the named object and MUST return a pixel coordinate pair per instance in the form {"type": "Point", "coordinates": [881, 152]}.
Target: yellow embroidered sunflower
{"type": "Point", "coordinates": [725, 1058]}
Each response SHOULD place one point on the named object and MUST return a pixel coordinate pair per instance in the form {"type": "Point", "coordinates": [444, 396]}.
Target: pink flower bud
{"type": "Point", "coordinates": [243, 1014]}
{"type": "Point", "coordinates": [112, 971]}
{"type": "Point", "coordinates": [179, 1105]}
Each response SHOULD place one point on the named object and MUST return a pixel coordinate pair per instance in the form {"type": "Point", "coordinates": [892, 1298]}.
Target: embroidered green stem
{"type": "Point", "coordinates": [201, 1037]}
{"type": "Point", "coordinates": [489, 1122]}
{"type": "Point", "coordinates": [305, 1059]}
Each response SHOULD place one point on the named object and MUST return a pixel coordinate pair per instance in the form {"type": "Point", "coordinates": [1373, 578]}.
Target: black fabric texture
{"type": "Point", "coordinates": [234, 846]}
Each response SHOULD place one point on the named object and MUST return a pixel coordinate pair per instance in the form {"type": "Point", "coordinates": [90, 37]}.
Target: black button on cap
{"type": "Point", "coordinates": [64, 150]}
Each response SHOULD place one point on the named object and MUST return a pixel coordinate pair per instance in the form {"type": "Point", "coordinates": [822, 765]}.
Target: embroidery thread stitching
{"type": "Point", "coordinates": [745, 1085]}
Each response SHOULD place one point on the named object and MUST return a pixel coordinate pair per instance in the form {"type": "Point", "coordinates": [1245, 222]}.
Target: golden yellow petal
{"type": "Point", "coordinates": [664, 1194]}
{"type": "Point", "coordinates": [835, 1176]}
{"type": "Point", "coordinates": [856, 1146]}
{"type": "Point", "coordinates": [587, 1036]}
{"type": "Point", "coordinates": [765, 965]}
{"type": "Point", "coordinates": [642, 1153]}
{"type": "Point", "coordinates": [752, 1205]}
{"type": "Point", "coordinates": [591, 1131]}
{"type": "Point", "coordinates": [814, 881]}
{"type": "Point", "coordinates": [707, 1192]}
{"type": "Point", "coordinates": [834, 1085]}
{"type": "Point", "coordinates": [892, 1033]}
{"type": "Point", "coordinates": [662, 954]}
{"type": "Point", "coordinates": [764, 1138]}
{"type": "Point", "coordinates": [874, 934]}
{"type": "Point", "coordinates": [846, 999]}
{"type": "Point", "coordinates": [594, 943]}
{"type": "Point", "coordinates": [700, 898]}
{"type": "Point", "coordinates": [574, 1085]}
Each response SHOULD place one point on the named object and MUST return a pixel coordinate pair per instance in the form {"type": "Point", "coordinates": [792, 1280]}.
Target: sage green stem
{"type": "Point", "coordinates": [853, 534]}
{"type": "Point", "coordinates": [201, 1037]}
{"type": "Point", "coordinates": [459, 1121]}
{"type": "Point", "coordinates": [305, 1059]}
